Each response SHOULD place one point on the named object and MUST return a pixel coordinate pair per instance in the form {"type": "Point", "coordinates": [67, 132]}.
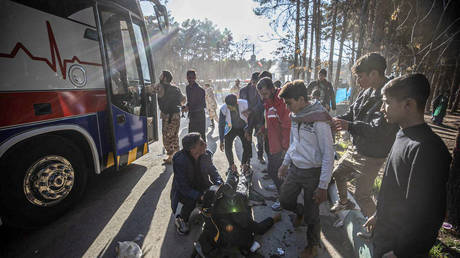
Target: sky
{"type": "Point", "coordinates": [235, 15]}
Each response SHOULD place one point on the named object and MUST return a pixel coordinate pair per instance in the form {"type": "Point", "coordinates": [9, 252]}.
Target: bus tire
{"type": "Point", "coordinates": [42, 178]}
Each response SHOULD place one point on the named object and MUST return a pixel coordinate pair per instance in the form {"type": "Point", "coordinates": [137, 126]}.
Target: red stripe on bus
{"type": "Point", "coordinates": [18, 107]}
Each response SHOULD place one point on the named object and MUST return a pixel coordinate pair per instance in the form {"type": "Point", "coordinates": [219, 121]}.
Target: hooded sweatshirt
{"type": "Point", "coordinates": [277, 124]}
{"type": "Point", "coordinates": [311, 144]}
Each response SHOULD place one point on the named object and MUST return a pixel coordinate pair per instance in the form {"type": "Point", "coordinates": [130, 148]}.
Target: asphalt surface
{"type": "Point", "coordinates": [118, 206]}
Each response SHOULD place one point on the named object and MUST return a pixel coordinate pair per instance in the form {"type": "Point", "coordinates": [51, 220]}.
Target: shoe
{"type": "Point", "coordinates": [265, 171]}
{"type": "Point", "coordinates": [181, 226]}
{"type": "Point", "coordinates": [276, 206]}
{"type": "Point", "coordinates": [349, 205]}
{"type": "Point", "coordinates": [309, 252]}
{"type": "Point", "coordinates": [266, 177]}
{"type": "Point", "coordinates": [271, 188]}
{"type": "Point", "coordinates": [296, 220]}
{"type": "Point", "coordinates": [261, 160]}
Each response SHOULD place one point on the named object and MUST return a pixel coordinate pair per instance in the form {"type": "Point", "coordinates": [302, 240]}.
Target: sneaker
{"type": "Point", "coordinates": [276, 206]}
{"type": "Point", "coordinates": [261, 160]}
{"type": "Point", "coordinates": [181, 226]}
{"type": "Point", "coordinates": [349, 205]}
{"type": "Point", "coordinates": [309, 251]}
{"type": "Point", "coordinates": [271, 188]}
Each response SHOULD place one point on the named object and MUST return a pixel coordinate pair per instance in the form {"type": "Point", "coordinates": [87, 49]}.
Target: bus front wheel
{"type": "Point", "coordinates": [43, 177]}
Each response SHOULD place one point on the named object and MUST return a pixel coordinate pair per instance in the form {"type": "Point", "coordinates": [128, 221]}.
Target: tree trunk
{"type": "Point", "coordinates": [362, 26]}
{"type": "Point", "coordinates": [434, 80]}
{"type": "Point", "coordinates": [453, 187]}
{"type": "Point", "coordinates": [305, 40]}
{"type": "Point", "coordinates": [297, 41]}
{"type": "Point", "coordinates": [318, 39]}
{"type": "Point", "coordinates": [455, 82]}
{"type": "Point", "coordinates": [313, 26]}
{"type": "Point", "coordinates": [343, 36]}
{"type": "Point", "coordinates": [354, 90]}
{"type": "Point", "coordinates": [370, 22]}
{"type": "Point", "coordinates": [378, 30]}
{"type": "Point", "coordinates": [331, 52]}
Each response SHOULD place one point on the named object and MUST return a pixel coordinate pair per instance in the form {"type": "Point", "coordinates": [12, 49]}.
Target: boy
{"type": "Point", "coordinates": [412, 200]}
{"type": "Point", "coordinates": [310, 159]}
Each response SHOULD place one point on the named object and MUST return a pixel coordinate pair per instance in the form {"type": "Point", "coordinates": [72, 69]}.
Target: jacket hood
{"type": "Point", "coordinates": [314, 107]}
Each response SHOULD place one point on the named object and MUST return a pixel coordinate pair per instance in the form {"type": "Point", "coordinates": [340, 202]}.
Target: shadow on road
{"type": "Point", "coordinates": [140, 218]}
{"type": "Point", "coordinates": [74, 232]}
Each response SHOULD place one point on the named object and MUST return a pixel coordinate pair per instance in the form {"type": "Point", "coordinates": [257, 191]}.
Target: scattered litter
{"type": "Point", "coordinates": [280, 251]}
{"type": "Point", "coordinates": [255, 246]}
{"type": "Point", "coordinates": [338, 223]}
{"type": "Point", "coordinates": [447, 225]}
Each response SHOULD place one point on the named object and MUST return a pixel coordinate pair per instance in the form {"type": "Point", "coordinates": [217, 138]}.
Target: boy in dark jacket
{"type": "Point", "coordinates": [412, 200]}
{"type": "Point", "coordinates": [372, 136]}
{"type": "Point", "coordinates": [194, 173]}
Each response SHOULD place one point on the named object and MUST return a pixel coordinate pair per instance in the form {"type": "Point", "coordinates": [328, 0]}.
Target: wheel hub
{"type": "Point", "coordinates": [49, 181]}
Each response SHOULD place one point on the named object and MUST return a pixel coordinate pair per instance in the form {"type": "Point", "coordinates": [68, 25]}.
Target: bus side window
{"type": "Point", "coordinates": [124, 77]}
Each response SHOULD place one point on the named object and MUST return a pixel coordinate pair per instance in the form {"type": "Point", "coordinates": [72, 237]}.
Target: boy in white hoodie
{"type": "Point", "coordinates": [308, 162]}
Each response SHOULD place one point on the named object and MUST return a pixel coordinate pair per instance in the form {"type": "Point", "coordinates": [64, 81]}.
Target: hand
{"type": "Point", "coordinates": [222, 146]}
{"type": "Point", "coordinates": [234, 168]}
{"type": "Point", "coordinates": [320, 195]}
{"type": "Point", "coordinates": [248, 136]}
{"type": "Point", "coordinates": [340, 124]}
{"type": "Point", "coordinates": [185, 109]}
{"type": "Point", "coordinates": [390, 254]}
{"type": "Point", "coordinates": [370, 223]}
{"type": "Point", "coordinates": [282, 172]}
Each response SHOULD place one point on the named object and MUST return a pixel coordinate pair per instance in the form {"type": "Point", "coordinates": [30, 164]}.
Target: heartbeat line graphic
{"type": "Point", "coordinates": [54, 55]}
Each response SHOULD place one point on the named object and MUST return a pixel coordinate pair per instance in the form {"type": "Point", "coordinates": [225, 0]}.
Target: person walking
{"type": "Point", "coordinates": [194, 172]}
{"type": "Point", "coordinates": [196, 105]}
{"type": "Point", "coordinates": [372, 136]}
{"type": "Point", "coordinates": [276, 130]}
{"type": "Point", "coordinates": [255, 113]}
{"type": "Point", "coordinates": [326, 91]}
{"type": "Point", "coordinates": [232, 123]}
{"type": "Point", "coordinates": [211, 103]}
{"type": "Point", "coordinates": [411, 204]}
{"type": "Point", "coordinates": [307, 164]}
{"type": "Point", "coordinates": [170, 99]}
{"type": "Point", "coordinates": [235, 89]}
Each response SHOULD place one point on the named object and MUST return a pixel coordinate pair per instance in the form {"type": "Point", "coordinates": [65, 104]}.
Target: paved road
{"type": "Point", "coordinates": [120, 205]}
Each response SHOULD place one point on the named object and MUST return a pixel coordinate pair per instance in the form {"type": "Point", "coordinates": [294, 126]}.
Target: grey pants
{"type": "Point", "coordinates": [306, 179]}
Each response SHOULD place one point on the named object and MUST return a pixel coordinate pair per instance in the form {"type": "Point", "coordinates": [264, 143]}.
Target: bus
{"type": "Point", "coordinates": [73, 99]}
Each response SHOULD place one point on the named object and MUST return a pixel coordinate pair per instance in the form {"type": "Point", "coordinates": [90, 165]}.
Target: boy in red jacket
{"type": "Point", "coordinates": [277, 129]}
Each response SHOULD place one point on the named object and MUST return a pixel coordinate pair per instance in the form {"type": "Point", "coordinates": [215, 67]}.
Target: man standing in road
{"type": "Point", "coordinates": [310, 159]}
{"type": "Point", "coordinates": [194, 173]}
{"type": "Point", "coordinates": [233, 123]}
{"type": "Point", "coordinates": [372, 136]}
{"type": "Point", "coordinates": [254, 113]}
{"type": "Point", "coordinates": [412, 200]}
{"type": "Point", "coordinates": [196, 105]}
{"type": "Point", "coordinates": [277, 129]}
{"type": "Point", "coordinates": [170, 99]}
{"type": "Point", "coordinates": [211, 103]}
{"type": "Point", "coordinates": [326, 91]}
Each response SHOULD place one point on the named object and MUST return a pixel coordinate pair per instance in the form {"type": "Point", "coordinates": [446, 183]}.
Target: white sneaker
{"type": "Point", "coordinates": [276, 206]}
{"type": "Point", "coordinates": [271, 187]}
{"type": "Point", "coordinates": [181, 226]}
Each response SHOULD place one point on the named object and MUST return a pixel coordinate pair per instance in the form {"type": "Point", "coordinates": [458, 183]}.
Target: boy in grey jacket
{"type": "Point", "coordinates": [308, 162]}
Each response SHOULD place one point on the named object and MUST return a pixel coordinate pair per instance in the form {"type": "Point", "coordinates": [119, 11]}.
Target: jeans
{"type": "Point", "coordinates": [308, 180]}
{"type": "Point", "coordinates": [229, 138]}
{"type": "Point", "coordinates": [274, 163]}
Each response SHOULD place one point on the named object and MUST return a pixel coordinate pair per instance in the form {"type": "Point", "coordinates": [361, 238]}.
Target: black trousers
{"type": "Point", "coordinates": [229, 138]}
{"type": "Point", "coordinates": [274, 163]}
{"type": "Point", "coordinates": [197, 123]}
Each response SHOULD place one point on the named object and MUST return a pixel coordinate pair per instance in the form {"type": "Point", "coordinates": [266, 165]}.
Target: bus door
{"type": "Point", "coordinates": [128, 72]}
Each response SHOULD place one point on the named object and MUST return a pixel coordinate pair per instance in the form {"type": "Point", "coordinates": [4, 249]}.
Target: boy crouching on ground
{"type": "Point", "coordinates": [310, 159]}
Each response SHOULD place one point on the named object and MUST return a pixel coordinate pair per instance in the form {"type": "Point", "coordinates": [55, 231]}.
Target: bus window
{"type": "Point", "coordinates": [125, 82]}
{"type": "Point", "coordinates": [142, 53]}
